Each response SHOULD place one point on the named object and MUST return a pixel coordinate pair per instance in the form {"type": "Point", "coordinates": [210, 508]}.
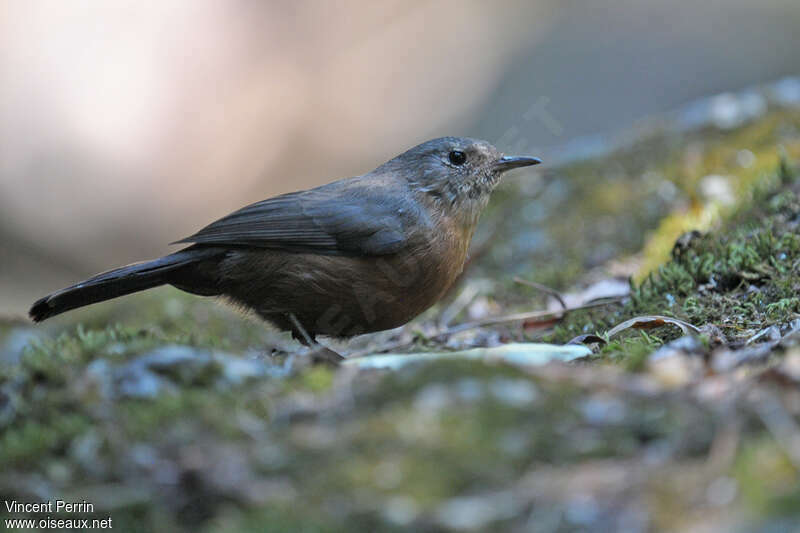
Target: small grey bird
{"type": "Point", "coordinates": [354, 256]}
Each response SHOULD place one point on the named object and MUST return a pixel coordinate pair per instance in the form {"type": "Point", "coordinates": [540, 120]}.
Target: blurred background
{"type": "Point", "coordinates": [126, 125]}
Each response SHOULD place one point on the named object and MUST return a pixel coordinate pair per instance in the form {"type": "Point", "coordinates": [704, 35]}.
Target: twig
{"type": "Point", "coordinates": [463, 300]}
{"type": "Point", "coordinates": [544, 288]}
{"type": "Point", "coordinates": [518, 317]}
{"type": "Point", "coordinates": [652, 321]}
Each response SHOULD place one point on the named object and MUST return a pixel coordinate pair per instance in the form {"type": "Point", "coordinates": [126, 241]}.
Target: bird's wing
{"type": "Point", "coordinates": [347, 217]}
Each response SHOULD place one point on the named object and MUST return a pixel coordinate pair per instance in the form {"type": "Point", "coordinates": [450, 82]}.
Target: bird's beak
{"type": "Point", "coordinates": [509, 162]}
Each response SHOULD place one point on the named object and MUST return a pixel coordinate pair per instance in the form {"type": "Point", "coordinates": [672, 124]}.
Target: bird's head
{"type": "Point", "coordinates": [457, 172]}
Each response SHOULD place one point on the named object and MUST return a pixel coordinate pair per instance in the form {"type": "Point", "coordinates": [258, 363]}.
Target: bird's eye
{"type": "Point", "coordinates": [457, 157]}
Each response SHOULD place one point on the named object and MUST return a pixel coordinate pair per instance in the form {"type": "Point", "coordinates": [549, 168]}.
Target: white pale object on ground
{"type": "Point", "coordinates": [513, 353]}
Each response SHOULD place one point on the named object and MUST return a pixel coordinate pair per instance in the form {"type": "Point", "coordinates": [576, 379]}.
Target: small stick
{"type": "Point", "coordinates": [544, 288]}
{"type": "Point", "coordinates": [519, 317]}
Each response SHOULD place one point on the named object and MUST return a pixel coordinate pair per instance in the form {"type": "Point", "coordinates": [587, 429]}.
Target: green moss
{"type": "Point", "coordinates": [741, 277]}
{"type": "Point", "coordinates": [34, 439]}
{"type": "Point", "coordinates": [631, 352]}
{"type": "Point", "coordinates": [783, 307]}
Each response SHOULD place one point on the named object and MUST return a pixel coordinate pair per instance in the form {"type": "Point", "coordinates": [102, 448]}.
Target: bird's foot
{"type": "Point", "coordinates": [320, 354]}
{"type": "Point", "coordinates": [317, 352]}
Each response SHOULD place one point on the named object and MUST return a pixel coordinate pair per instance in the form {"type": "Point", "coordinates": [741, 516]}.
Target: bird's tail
{"type": "Point", "coordinates": [118, 282]}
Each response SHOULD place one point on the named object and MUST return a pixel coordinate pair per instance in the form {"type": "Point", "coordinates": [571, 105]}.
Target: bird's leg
{"type": "Point", "coordinates": [317, 352]}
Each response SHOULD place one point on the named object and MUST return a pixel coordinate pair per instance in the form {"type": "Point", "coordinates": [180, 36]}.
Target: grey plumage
{"type": "Point", "coordinates": [356, 255]}
{"type": "Point", "coordinates": [353, 216]}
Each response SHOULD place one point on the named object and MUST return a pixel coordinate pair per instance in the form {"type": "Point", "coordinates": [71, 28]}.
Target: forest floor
{"type": "Point", "coordinates": [676, 407]}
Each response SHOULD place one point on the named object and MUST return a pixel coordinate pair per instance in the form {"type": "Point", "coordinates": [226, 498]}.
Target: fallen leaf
{"type": "Point", "coordinates": [652, 321]}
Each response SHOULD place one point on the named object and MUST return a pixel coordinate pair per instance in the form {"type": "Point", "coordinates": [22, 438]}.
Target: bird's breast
{"type": "Point", "coordinates": [445, 253]}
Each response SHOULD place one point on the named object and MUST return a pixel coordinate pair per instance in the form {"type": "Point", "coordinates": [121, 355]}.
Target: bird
{"type": "Point", "coordinates": [354, 256]}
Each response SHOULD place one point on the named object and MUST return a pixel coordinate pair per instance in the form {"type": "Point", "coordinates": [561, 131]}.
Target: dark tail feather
{"type": "Point", "coordinates": [117, 282]}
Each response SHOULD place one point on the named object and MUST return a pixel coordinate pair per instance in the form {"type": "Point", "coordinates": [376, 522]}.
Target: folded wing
{"type": "Point", "coordinates": [348, 217]}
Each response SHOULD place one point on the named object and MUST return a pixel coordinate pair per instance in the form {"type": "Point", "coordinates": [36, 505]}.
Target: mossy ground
{"type": "Point", "coordinates": [741, 278]}
{"type": "Point", "coordinates": [601, 445]}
